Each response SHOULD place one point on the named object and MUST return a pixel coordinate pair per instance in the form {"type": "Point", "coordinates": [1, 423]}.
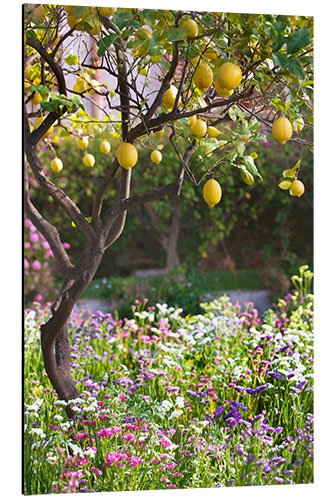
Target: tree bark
{"type": "Point", "coordinates": [170, 246]}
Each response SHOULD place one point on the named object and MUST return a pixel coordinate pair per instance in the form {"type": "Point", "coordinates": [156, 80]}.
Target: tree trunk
{"type": "Point", "coordinates": [170, 246]}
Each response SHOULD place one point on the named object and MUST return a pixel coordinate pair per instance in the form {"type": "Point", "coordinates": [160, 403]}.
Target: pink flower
{"type": "Point", "coordinates": [49, 253]}
{"type": "Point", "coordinates": [27, 244]}
{"type": "Point", "coordinates": [39, 297]}
{"type": "Point", "coordinates": [26, 264]}
{"type": "Point", "coordinates": [97, 471]}
{"type": "Point", "coordinates": [46, 245]}
{"type": "Point", "coordinates": [66, 245]}
{"type": "Point", "coordinates": [36, 265]}
{"type": "Point", "coordinates": [34, 237]}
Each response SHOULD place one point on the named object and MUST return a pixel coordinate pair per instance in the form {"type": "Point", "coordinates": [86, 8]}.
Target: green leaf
{"type": "Point", "coordinates": [298, 40]}
{"type": "Point", "coordinates": [122, 19]}
{"type": "Point", "coordinates": [295, 67]}
{"type": "Point", "coordinates": [71, 60]}
{"type": "Point", "coordinates": [240, 146]}
{"type": "Point", "coordinates": [280, 60]}
{"type": "Point", "coordinates": [251, 166]}
{"type": "Point", "coordinates": [104, 44]}
{"type": "Point", "coordinates": [79, 12]}
{"type": "Point", "coordinates": [155, 48]}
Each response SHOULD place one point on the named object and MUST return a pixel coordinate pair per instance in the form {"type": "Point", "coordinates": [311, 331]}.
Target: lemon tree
{"type": "Point", "coordinates": [129, 74]}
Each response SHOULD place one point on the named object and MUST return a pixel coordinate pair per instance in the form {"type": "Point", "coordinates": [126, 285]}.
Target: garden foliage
{"type": "Point", "coordinates": [168, 401]}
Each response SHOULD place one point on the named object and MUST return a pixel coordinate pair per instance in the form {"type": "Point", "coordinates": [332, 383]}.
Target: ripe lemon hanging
{"type": "Point", "coordinates": [127, 155]}
{"type": "Point", "coordinates": [56, 165]}
{"type": "Point", "coordinates": [282, 129]}
{"type": "Point", "coordinates": [193, 120]}
{"type": "Point", "coordinates": [37, 99]}
{"type": "Point", "coordinates": [89, 160]}
{"type": "Point", "coordinates": [159, 132]}
{"type": "Point", "coordinates": [213, 131]}
{"type": "Point", "coordinates": [221, 91]}
{"type": "Point", "coordinates": [199, 129]}
{"type": "Point", "coordinates": [247, 177]}
{"type": "Point", "coordinates": [82, 143]}
{"type": "Point", "coordinates": [229, 76]}
{"type": "Point", "coordinates": [39, 121]}
{"type": "Point", "coordinates": [169, 97]}
{"type": "Point", "coordinates": [212, 192]}
{"type": "Point", "coordinates": [299, 124]}
{"type": "Point", "coordinates": [191, 27]}
{"type": "Point", "coordinates": [296, 188]}
{"type": "Point", "coordinates": [105, 147]}
{"type": "Point", "coordinates": [156, 156]}
{"type": "Point", "coordinates": [203, 76]}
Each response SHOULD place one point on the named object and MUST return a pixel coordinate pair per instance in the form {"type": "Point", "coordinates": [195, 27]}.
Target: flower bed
{"type": "Point", "coordinates": [167, 401]}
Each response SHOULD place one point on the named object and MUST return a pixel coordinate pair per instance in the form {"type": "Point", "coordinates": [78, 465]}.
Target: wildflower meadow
{"type": "Point", "coordinates": [169, 401]}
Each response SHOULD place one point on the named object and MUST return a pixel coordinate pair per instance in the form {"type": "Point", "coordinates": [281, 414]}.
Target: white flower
{"type": "Point", "coordinates": [60, 402]}
{"type": "Point", "coordinates": [38, 431]}
{"type": "Point", "coordinates": [77, 401]}
{"type": "Point", "coordinates": [51, 459]}
{"type": "Point", "coordinates": [58, 417]}
{"type": "Point", "coordinates": [166, 405]}
{"type": "Point", "coordinates": [36, 405]}
{"type": "Point", "coordinates": [90, 452]}
{"type": "Point", "coordinates": [76, 450]}
{"type": "Point", "coordinates": [180, 402]}
{"type": "Point", "coordinates": [176, 413]}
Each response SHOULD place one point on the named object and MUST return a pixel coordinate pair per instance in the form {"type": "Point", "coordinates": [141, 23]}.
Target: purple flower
{"type": "Point", "coordinates": [218, 412]}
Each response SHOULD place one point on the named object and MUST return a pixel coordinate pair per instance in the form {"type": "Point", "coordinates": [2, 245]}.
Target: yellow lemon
{"type": "Point", "coordinates": [88, 160]}
{"type": "Point", "coordinates": [296, 188]}
{"type": "Point", "coordinates": [191, 27]}
{"type": "Point", "coordinates": [211, 53]}
{"type": "Point", "coordinates": [169, 96]}
{"type": "Point", "coordinates": [193, 120]}
{"type": "Point", "coordinates": [299, 124]}
{"type": "Point", "coordinates": [199, 129]}
{"type": "Point", "coordinates": [159, 132]}
{"type": "Point", "coordinates": [37, 99]}
{"type": "Point", "coordinates": [39, 121]}
{"type": "Point", "coordinates": [82, 143]}
{"type": "Point", "coordinates": [282, 129]}
{"type": "Point", "coordinates": [105, 147]}
{"type": "Point", "coordinates": [247, 177]}
{"type": "Point", "coordinates": [55, 139]}
{"type": "Point", "coordinates": [106, 11]}
{"type": "Point", "coordinates": [56, 165]}
{"type": "Point", "coordinates": [156, 156]}
{"type": "Point", "coordinates": [212, 192]}
{"type": "Point", "coordinates": [222, 92]}
{"type": "Point", "coordinates": [203, 76]}
{"type": "Point", "coordinates": [213, 132]}
{"type": "Point", "coordinates": [127, 155]}
{"type": "Point", "coordinates": [229, 76]}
